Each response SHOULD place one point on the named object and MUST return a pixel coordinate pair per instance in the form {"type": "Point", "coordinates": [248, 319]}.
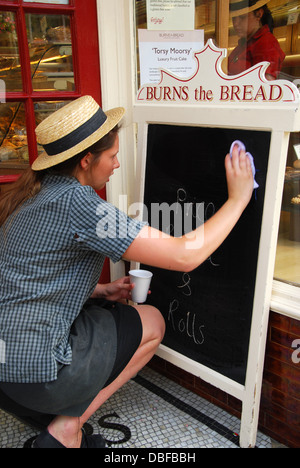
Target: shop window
{"type": "Point", "coordinates": [50, 50]}
{"type": "Point", "coordinates": [212, 16]}
{"type": "Point", "coordinates": [49, 55]}
{"type": "Point", "coordinates": [287, 30]}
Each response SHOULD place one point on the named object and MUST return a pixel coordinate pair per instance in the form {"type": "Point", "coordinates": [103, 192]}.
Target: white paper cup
{"type": "Point", "coordinates": [141, 280]}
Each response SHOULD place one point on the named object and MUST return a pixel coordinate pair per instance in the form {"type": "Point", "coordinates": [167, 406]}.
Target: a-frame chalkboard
{"type": "Point", "coordinates": [217, 316]}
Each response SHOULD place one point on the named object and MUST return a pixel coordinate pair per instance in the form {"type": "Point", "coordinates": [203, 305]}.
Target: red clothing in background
{"type": "Point", "coordinates": [262, 47]}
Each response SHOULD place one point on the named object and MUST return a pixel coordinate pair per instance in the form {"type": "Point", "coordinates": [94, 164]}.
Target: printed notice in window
{"type": "Point", "coordinates": [171, 14]}
{"type": "Point", "coordinates": [169, 50]}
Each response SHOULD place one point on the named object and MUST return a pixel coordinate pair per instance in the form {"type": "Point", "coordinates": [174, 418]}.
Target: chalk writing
{"type": "Point", "coordinates": [185, 324]}
{"type": "Point", "coordinates": [186, 288]}
{"type": "Point", "coordinates": [196, 211]}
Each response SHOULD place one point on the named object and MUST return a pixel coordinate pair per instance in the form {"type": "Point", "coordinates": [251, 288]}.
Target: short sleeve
{"type": "Point", "coordinates": [99, 226]}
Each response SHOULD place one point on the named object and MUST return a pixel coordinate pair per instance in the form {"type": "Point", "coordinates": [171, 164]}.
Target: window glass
{"type": "Point", "coordinates": [13, 136]}
{"type": "Point", "coordinates": [50, 49]}
{"type": "Point", "coordinates": [287, 30]}
{"type": "Point", "coordinates": [287, 267]}
{"type": "Point", "coordinates": [10, 69]}
{"type": "Point", "coordinates": [205, 18]}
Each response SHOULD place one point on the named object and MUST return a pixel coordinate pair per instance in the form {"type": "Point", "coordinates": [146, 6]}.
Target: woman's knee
{"type": "Point", "coordinates": [154, 326]}
{"type": "Point", "coordinates": [160, 322]}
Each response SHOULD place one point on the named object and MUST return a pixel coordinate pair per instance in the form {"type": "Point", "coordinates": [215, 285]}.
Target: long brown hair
{"type": "Point", "coordinates": [30, 182]}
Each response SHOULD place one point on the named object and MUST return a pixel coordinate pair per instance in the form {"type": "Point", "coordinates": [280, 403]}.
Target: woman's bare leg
{"type": "Point", "coordinates": [68, 429]}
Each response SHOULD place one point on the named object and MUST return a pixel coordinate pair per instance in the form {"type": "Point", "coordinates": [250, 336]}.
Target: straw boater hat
{"type": "Point", "coordinates": [241, 7]}
{"type": "Point", "coordinates": [72, 129]}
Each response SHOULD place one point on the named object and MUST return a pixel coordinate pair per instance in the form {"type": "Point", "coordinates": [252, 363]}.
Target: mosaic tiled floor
{"type": "Point", "coordinates": [149, 412]}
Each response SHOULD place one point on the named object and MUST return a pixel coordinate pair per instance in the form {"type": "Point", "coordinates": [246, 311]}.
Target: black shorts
{"type": "Point", "coordinates": [78, 384]}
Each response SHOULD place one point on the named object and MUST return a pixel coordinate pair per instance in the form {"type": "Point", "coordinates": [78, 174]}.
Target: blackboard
{"type": "Point", "coordinates": [208, 311]}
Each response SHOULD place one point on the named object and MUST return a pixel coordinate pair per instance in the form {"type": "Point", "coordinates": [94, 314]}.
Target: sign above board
{"type": "Point", "coordinates": [211, 86]}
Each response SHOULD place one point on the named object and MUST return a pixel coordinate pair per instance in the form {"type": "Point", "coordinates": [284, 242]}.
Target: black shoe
{"type": "Point", "coordinates": [46, 440]}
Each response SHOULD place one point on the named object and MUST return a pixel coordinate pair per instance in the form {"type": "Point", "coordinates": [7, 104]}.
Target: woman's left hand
{"type": "Point", "coordinates": [119, 290]}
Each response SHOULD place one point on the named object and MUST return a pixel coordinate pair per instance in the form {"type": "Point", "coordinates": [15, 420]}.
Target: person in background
{"type": "Point", "coordinates": [67, 343]}
{"type": "Point", "coordinates": [253, 23]}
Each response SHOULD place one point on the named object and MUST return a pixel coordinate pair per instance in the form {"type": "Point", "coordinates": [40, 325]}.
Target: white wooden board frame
{"type": "Point", "coordinates": [253, 104]}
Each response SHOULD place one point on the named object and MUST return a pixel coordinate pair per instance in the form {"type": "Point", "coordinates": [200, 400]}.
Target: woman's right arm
{"type": "Point", "coordinates": [154, 248]}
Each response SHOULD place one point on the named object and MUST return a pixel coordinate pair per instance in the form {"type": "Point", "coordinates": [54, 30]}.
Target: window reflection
{"type": "Point", "coordinates": [10, 69]}
{"type": "Point", "coordinates": [50, 49]}
{"type": "Point", "coordinates": [254, 27]}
